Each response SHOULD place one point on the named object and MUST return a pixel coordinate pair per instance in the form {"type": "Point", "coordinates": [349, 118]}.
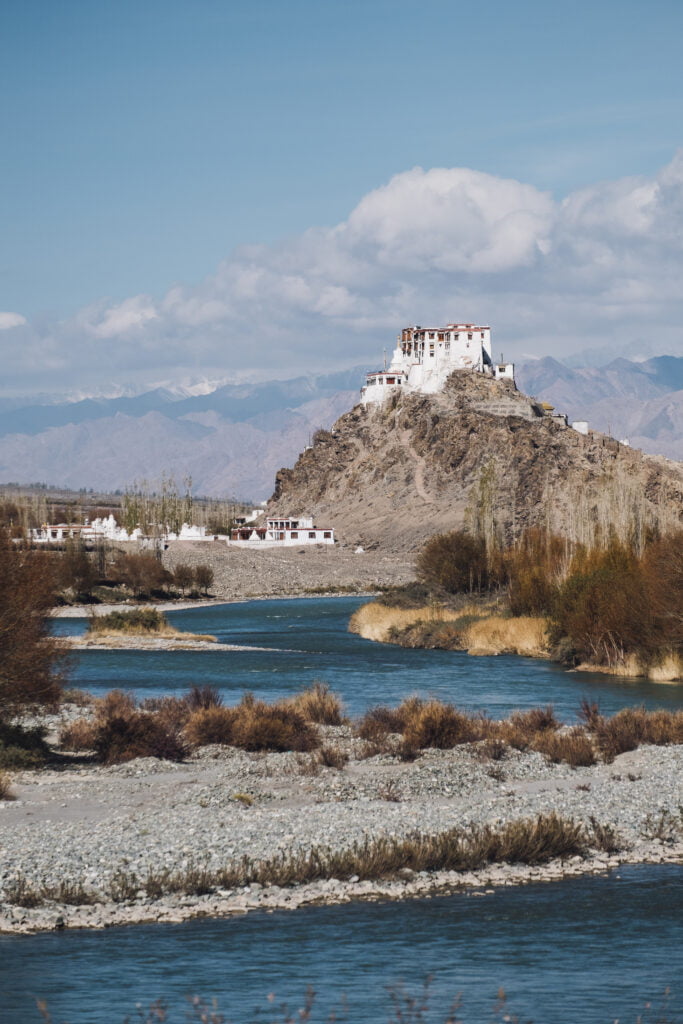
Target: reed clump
{"type": "Point", "coordinates": [631, 727]}
{"type": "Point", "coordinates": [317, 704]}
{"type": "Point", "coordinates": [253, 725]}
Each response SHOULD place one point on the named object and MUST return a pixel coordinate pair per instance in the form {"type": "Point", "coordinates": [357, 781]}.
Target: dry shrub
{"type": "Point", "coordinates": [605, 837]}
{"type": "Point", "coordinates": [573, 747]}
{"type": "Point", "coordinates": [210, 725]}
{"type": "Point", "coordinates": [378, 723]}
{"type": "Point", "coordinates": [317, 704]}
{"type": "Point", "coordinates": [454, 562]}
{"type": "Point", "coordinates": [115, 703]}
{"type": "Point", "coordinates": [261, 726]}
{"type": "Point", "coordinates": [492, 749]}
{"type": "Point", "coordinates": [5, 787]}
{"type": "Point", "coordinates": [632, 726]}
{"type": "Point", "coordinates": [333, 757]}
{"type": "Point", "coordinates": [203, 696]}
{"type": "Point", "coordinates": [120, 739]}
{"type": "Point", "coordinates": [78, 735]}
{"type": "Point", "coordinates": [434, 724]}
{"type": "Point", "coordinates": [253, 725]}
{"type": "Point", "coordinates": [172, 712]}
{"type": "Point", "coordinates": [535, 720]}
{"type": "Point", "coordinates": [122, 732]}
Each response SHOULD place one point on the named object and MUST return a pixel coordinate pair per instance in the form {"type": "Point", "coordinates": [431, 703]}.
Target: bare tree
{"type": "Point", "coordinates": [32, 662]}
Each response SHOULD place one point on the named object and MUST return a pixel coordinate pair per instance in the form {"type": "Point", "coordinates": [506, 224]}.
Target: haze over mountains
{"type": "Point", "coordinates": [232, 439]}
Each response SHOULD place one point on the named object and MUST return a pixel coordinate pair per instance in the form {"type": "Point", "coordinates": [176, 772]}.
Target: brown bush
{"type": "Point", "coordinates": [261, 726]}
{"type": "Point", "coordinates": [535, 720]}
{"type": "Point", "coordinates": [573, 747]}
{"type": "Point", "coordinates": [172, 712]}
{"type": "Point", "coordinates": [203, 696]}
{"type": "Point", "coordinates": [317, 704]}
{"type": "Point", "coordinates": [210, 725]}
{"type": "Point", "coordinates": [632, 726]}
{"type": "Point", "coordinates": [379, 722]}
{"type": "Point", "coordinates": [454, 562]}
{"type": "Point", "coordinates": [78, 735]}
{"type": "Point", "coordinates": [32, 661]}
{"type": "Point", "coordinates": [434, 724]}
{"type": "Point", "coordinates": [123, 738]}
{"type": "Point", "coordinates": [333, 757]}
{"type": "Point", "coordinates": [122, 731]}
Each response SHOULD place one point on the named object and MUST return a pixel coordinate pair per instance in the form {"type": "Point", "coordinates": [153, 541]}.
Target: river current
{"type": "Point", "coordinates": [591, 949]}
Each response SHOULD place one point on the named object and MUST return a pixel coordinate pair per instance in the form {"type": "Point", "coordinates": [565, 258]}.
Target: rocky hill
{"type": "Point", "coordinates": [478, 453]}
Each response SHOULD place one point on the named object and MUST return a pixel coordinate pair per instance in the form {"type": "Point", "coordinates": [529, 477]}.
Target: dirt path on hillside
{"type": "Point", "coordinates": [418, 463]}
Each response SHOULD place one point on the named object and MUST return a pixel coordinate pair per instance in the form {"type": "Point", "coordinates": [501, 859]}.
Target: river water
{"type": "Point", "coordinates": [589, 950]}
{"type": "Point", "coordinates": [308, 639]}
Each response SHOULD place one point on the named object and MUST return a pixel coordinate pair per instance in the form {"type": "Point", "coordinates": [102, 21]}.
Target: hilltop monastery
{"type": "Point", "coordinates": [425, 356]}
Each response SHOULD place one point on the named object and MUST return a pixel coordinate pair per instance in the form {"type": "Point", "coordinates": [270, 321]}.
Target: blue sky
{"type": "Point", "coordinates": [145, 143]}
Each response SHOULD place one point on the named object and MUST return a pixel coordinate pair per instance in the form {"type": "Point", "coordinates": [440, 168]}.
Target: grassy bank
{"type": "Point", "coordinates": [478, 628]}
{"type": "Point", "coordinates": [483, 628]}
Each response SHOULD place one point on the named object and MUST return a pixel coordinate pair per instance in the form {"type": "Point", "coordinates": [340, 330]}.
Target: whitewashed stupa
{"type": "Point", "coordinates": [425, 356]}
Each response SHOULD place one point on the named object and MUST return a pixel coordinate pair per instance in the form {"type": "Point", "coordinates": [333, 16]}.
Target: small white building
{"type": "Point", "coordinates": [282, 531]}
{"type": "Point", "coordinates": [109, 529]}
{"type": "Point", "coordinates": [424, 358]}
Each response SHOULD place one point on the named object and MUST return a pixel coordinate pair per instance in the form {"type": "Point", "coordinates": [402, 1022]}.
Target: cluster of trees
{"type": "Point", "coordinates": [603, 603]}
{"type": "Point", "coordinates": [80, 572]}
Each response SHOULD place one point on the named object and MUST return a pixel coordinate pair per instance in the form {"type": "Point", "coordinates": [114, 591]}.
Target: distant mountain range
{"type": "Point", "coordinates": [642, 402]}
{"type": "Point", "coordinates": [232, 438]}
{"type": "Point", "coordinates": [231, 441]}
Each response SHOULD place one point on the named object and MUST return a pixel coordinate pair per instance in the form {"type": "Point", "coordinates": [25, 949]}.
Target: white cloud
{"type": "Point", "coordinates": [600, 267]}
{"type": "Point", "coordinates": [8, 320]}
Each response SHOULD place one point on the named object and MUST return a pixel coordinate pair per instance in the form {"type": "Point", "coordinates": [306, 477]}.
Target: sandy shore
{"type": "Point", "coordinates": [81, 825]}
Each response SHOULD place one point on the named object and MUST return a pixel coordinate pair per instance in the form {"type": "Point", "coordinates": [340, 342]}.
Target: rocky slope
{"type": "Point", "coordinates": [479, 453]}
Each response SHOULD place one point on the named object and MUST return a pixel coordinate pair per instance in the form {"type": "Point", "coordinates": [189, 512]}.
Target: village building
{"type": "Point", "coordinates": [108, 529]}
{"type": "Point", "coordinates": [424, 358]}
{"type": "Point", "coordinates": [282, 531]}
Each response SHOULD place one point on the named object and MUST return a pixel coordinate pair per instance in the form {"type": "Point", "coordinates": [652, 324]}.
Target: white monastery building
{"type": "Point", "coordinates": [425, 356]}
{"type": "Point", "coordinates": [286, 531]}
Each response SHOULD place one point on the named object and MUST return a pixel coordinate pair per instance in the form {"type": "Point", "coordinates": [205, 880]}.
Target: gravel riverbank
{"type": "Point", "coordinates": [81, 825]}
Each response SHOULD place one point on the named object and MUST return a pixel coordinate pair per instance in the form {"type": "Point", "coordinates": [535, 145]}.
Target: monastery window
{"type": "Point", "coordinates": [295, 535]}
{"type": "Point", "coordinates": [432, 334]}
{"type": "Point", "coordinates": [311, 535]}
{"type": "Point", "coordinates": [469, 337]}
{"type": "Point", "coordinates": [327, 534]}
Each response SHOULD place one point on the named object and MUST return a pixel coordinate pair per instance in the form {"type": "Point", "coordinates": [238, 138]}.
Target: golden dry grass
{"type": "Point", "coordinates": [374, 620]}
{"type": "Point", "coordinates": [524, 634]}
{"type": "Point", "coordinates": [669, 670]}
{"type": "Point", "coordinates": [317, 704]}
